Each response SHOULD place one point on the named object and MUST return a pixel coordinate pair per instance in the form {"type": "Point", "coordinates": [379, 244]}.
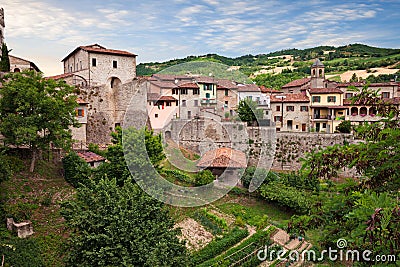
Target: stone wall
{"type": "Point", "coordinates": [108, 107]}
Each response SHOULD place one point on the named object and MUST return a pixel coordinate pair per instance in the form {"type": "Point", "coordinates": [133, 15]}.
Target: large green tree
{"type": "Point", "coordinates": [248, 111]}
{"type": "Point", "coordinates": [36, 112]}
{"type": "Point", "coordinates": [120, 226]}
{"type": "Point", "coordinates": [4, 60]}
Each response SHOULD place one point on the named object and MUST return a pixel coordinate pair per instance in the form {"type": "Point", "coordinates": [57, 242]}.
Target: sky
{"type": "Point", "coordinates": [45, 31]}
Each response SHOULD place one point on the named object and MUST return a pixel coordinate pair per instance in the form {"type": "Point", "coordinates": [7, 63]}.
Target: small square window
{"type": "Point", "coordinates": [385, 95]}
{"type": "Point", "coordinates": [115, 64]}
{"type": "Point", "coordinates": [80, 113]}
{"type": "Point", "coordinates": [278, 108]}
{"type": "Point", "coordinates": [94, 62]}
{"type": "Point", "coordinates": [156, 115]}
{"type": "Point", "coordinates": [226, 92]}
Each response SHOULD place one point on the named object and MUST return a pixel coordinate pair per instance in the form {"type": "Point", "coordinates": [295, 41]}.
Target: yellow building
{"type": "Point", "coordinates": [326, 109]}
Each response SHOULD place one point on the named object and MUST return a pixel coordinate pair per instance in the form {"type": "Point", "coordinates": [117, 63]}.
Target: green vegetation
{"type": "Point", "coordinates": [219, 245]}
{"type": "Point", "coordinates": [248, 111]}
{"type": "Point", "coordinates": [46, 111]}
{"type": "Point", "coordinates": [4, 59]}
{"type": "Point", "coordinates": [204, 177]}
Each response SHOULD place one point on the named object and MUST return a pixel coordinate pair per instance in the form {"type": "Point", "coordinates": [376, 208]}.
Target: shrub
{"type": "Point", "coordinates": [221, 222]}
{"type": "Point", "coordinates": [204, 177]}
{"type": "Point", "coordinates": [76, 170]}
{"type": "Point", "coordinates": [207, 223]}
{"type": "Point", "coordinates": [219, 245]}
{"type": "Point", "coordinates": [344, 127]}
{"type": "Point", "coordinates": [178, 175]}
{"type": "Point", "coordinates": [20, 252]}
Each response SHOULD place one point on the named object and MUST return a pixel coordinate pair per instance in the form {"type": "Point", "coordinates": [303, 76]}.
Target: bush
{"type": "Point", "coordinates": [76, 170]}
{"type": "Point", "coordinates": [178, 175]}
{"type": "Point", "coordinates": [20, 252]}
{"type": "Point", "coordinates": [219, 245]}
{"type": "Point", "coordinates": [221, 222]}
{"type": "Point", "coordinates": [207, 223]}
{"type": "Point", "coordinates": [204, 177]}
{"type": "Point", "coordinates": [344, 127]}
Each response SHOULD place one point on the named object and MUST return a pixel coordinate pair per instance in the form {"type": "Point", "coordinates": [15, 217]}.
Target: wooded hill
{"type": "Point", "coordinates": [336, 60]}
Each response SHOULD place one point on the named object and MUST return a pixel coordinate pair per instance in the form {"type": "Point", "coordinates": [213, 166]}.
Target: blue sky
{"type": "Point", "coordinates": [45, 31]}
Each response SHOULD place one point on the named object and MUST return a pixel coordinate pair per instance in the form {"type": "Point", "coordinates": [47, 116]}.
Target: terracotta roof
{"type": "Point", "coordinates": [170, 77]}
{"type": "Point", "coordinates": [226, 84]}
{"type": "Point", "coordinates": [164, 84]}
{"type": "Point", "coordinates": [325, 91]}
{"type": "Point", "coordinates": [290, 98]}
{"type": "Point", "coordinates": [248, 88]}
{"type": "Point", "coordinates": [266, 90]}
{"type": "Point", "coordinates": [223, 158]}
{"type": "Point", "coordinates": [356, 84]}
{"type": "Point", "coordinates": [81, 101]}
{"type": "Point", "coordinates": [100, 50]}
{"type": "Point", "coordinates": [189, 86]}
{"type": "Point", "coordinates": [90, 157]}
{"type": "Point", "coordinates": [60, 76]}
{"type": "Point", "coordinates": [297, 83]}
{"type": "Point", "coordinates": [168, 98]}
{"type": "Point", "coordinates": [205, 79]}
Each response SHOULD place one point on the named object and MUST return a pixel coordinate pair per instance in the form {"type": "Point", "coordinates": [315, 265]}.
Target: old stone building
{"type": "Point", "coordinates": [290, 112]}
{"type": "Point", "coordinates": [97, 65]}
{"type": "Point", "coordinates": [18, 64]}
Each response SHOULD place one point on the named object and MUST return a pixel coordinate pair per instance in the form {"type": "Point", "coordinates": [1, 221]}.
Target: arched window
{"type": "Point", "coordinates": [320, 72]}
{"type": "Point", "coordinates": [354, 111]}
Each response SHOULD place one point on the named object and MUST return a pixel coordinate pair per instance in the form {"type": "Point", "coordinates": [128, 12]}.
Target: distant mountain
{"type": "Point", "coordinates": [274, 69]}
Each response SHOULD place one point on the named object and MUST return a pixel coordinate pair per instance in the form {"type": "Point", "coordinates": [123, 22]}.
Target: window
{"type": "Point", "coordinates": [385, 95]}
{"type": "Point", "coordinates": [266, 112]}
{"type": "Point", "coordinates": [196, 103]}
{"type": "Point", "coordinates": [278, 129]}
{"type": "Point", "coordinates": [80, 113]}
{"type": "Point", "coordinates": [184, 91]}
{"type": "Point", "coordinates": [331, 99]}
{"type": "Point", "coordinates": [189, 114]}
{"type": "Point", "coordinates": [278, 108]}
{"type": "Point", "coordinates": [324, 125]}
{"type": "Point", "coordinates": [316, 99]}
{"type": "Point", "coordinates": [250, 97]}
{"type": "Point", "coordinates": [207, 95]}
{"type": "Point", "coordinates": [81, 65]}
{"type": "Point", "coordinates": [289, 108]}
{"type": "Point", "coordinates": [183, 103]}
{"type": "Point", "coordinates": [115, 64]}
{"type": "Point", "coordinates": [208, 86]}
{"type": "Point", "coordinates": [174, 91]}
{"type": "Point", "coordinates": [226, 92]}
{"type": "Point", "coordinates": [277, 118]}
{"type": "Point", "coordinates": [348, 95]}
{"type": "Point", "coordinates": [226, 103]}
{"type": "Point", "coordinates": [156, 115]}
{"type": "Point", "coordinates": [94, 62]}
{"type": "Point", "coordinates": [168, 104]}
{"type": "Point", "coordinates": [196, 91]}
{"type": "Point", "coordinates": [303, 108]}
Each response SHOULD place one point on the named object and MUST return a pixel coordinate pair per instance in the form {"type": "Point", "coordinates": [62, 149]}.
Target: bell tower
{"type": "Point", "coordinates": [2, 26]}
{"type": "Point", "coordinates": [317, 74]}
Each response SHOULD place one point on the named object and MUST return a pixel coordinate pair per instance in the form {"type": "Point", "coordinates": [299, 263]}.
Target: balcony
{"type": "Point", "coordinates": [208, 101]}
{"type": "Point", "coordinates": [321, 117]}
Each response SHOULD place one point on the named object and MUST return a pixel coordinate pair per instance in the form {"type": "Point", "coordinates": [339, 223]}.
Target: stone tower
{"type": "Point", "coordinates": [2, 26]}
{"type": "Point", "coordinates": [317, 74]}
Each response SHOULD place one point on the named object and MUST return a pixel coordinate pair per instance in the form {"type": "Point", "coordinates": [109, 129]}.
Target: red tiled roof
{"type": "Point", "coordinates": [101, 50]}
{"type": "Point", "coordinates": [60, 76]}
{"type": "Point", "coordinates": [81, 101]}
{"type": "Point", "coordinates": [356, 84]}
{"type": "Point", "coordinates": [248, 88]}
{"type": "Point", "coordinates": [205, 79]}
{"type": "Point", "coordinates": [223, 158]}
{"type": "Point", "coordinates": [266, 90]}
{"type": "Point", "coordinates": [297, 83]}
{"type": "Point", "coordinates": [167, 98]}
{"type": "Point", "coordinates": [90, 157]}
{"type": "Point", "coordinates": [170, 77]}
{"type": "Point", "coordinates": [290, 98]}
{"type": "Point", "coordinates": [189, 86]}
{"type": "Point", "coordinates": [164, 84]}
{"type": "Point", "coordinates": [325, 91]}
{"type": "Point", "coordinates": [226, 84]}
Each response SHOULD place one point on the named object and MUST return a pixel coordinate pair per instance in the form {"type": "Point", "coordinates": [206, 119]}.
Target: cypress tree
{"type": "Point", "coordinates": [4, 61]}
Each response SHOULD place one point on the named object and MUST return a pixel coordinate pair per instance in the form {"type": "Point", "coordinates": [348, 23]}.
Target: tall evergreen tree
{"type": "Point", "coordinates": [5, 60]}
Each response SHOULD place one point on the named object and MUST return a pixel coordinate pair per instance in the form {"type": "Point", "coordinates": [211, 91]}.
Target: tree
{"type": "Point", "coordinates": [5, 60]}
{"type": "Point", "coordinates": [36, 112]}
{"type": "Point", "coordinates": [344, 127]}
{"type": "Point", "coordinates": [120, 226]}
{"type": "Point", "coordinates": [354, 78]}
{"type": "Point", "coordinates": [248, 111]}
{"type": "Point", "coordinates": [204, 177]}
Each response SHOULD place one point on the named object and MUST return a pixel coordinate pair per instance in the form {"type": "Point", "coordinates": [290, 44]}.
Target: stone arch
{"type": "Point", "coordinates": [114, 82]}
{"type": "Point", "coordinates": [354, 111]}
{"type": "Point", "coordinates": [363, 111]}
{"type": "Point", "coordinates": [372, 111]}
{"type": "Point", "coordinates": [17, 70]}
{"type": "Point", "coordinates": [168, 135]}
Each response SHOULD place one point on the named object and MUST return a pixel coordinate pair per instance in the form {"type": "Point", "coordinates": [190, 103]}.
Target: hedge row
{"type": "Point", "coordinates": [178, 175]}
{"type": "Point", "coordinates": [221, 222]}
{"type": "Point", "coordinates": [257, 240]}
{"type": "Point", "coordinates": [207, 223]}
{"type": "Point", "coordinates": [219, 245]}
